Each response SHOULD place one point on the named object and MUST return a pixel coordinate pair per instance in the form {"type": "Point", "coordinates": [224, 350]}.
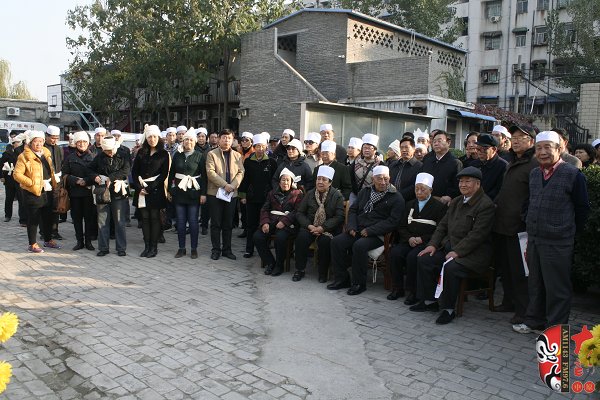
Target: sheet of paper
{"type": "Point", "coordinates": [223, 195]}
{"type": "Point", "coordinates": [440, 285]}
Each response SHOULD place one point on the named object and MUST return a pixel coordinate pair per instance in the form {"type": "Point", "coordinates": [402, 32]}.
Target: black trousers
{"type": "Point", "coordinates": [261, 241]}
{"type": "Point", "coordinates": [252, 221]}
{"type": "Point", "coordinates": [83, 210]}
{"type": "Point", "coordinates": [204, 215]}
{"type": "Point", "coordinates": [11, 193]}
{"type": "Point", "coordinates": [22, 207]}
{"type": "Point", "coordinates": [550, 289]}
{"type": "Point", "coordinates": [344, 246]}
{"type": "Point", "coordinates": [221, 223]}
{"type": "Point", "coordinates": [404, 261]}
{"type": "Point", "coordinates": [151, 224]}
{"type": "Point", "coordinates": [507, 255]}
{"type": "Point", "coordinates": [40, 213]}
{"type": "Point", "coordinates": [428, 272]}
{"type": "Point", "coordinates": [303, 242]}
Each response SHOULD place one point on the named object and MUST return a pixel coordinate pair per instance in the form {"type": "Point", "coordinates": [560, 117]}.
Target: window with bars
{"type": "Point", "coordinates": [538, 71]}
{"type": "Point", "coordinates": [562, 3]}
{"type": "Point", "coordinates": [520, 39]}
{"type": "Point", "coordinates": [493, 9]}
{"type": "Point", "coordinates": [540, 35]}
{"type": "Point", "coordinates": [489, 76]}
{"type": "Point", "coordinates": [492, 43]}
{"type": "Point", "coordinates": [543, 5]}
{"type": "Point", "coordinates": [522, 6]}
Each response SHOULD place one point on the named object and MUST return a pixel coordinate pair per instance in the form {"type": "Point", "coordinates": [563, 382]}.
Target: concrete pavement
{"type": "Point", "coordinates": [132, 328]}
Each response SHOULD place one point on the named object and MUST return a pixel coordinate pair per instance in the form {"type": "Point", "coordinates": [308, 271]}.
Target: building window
{"type": "Point", "coordinates": [562, 3]}
{"type": "Point", "coordinates": [521, 39]}
{"type": "Point", "coordinates": [564, 108]}
{"type": "Point", "coordinates": [543, 5]}
{"type": "Point", "coordinates": [570, 32]}
{"type": "Point", "coordinates": [511, 105]}
{"type": "Point", "coordinates": [522, 6]}
{"type": "Point", "coordinates": [492, 43]}
{"type": "Point", "coordinates": [492, 101]}
{"type": "Point", "coordinates": [514, 70]}
{"type": "Point", "coordinates": [465, 26]}
{"type": "Point", "coordinates": [540, 36]}
{"type": "Point", "coordinates": [493, 9]}
{"type": "Point", "coordinates": [538, 70]}
{"type": "Point", "coordinates": [489, 76]}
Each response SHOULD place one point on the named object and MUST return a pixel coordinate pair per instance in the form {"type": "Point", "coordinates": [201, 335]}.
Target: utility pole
{"type": "Point", "coordinates": [518, 74]}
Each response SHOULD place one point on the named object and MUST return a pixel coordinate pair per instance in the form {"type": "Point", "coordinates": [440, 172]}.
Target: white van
{"type": "Point", "coordinates": [9, 126]}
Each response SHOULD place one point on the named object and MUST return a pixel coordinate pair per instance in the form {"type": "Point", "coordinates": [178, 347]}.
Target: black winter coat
{"type": "Point", "coordinates": [334, 211]}
{"type": "Point", "coordinates": [256, 183]}
{"type": "Point", "coordinates": [115, 168]}
{"type": "Point", "coordinates": [283, 202]}
{"type": "Point", "coordinates": [10, 157]}
{"type": "Point", "coordinates": [299, 168]}
{"type": "Point", "coordinates": [492, 172]}
{"type": "Point", "coordinates": [148, 166]}
{"type": "Point", "coordinates": [444, 173]}
{"type": "Point", "coordinates": [77, 166]}
{"type": "Point", "coordinates": [57, 156]}
{"type": "Point", "coordinates": [385, 216]}
{"type": "Point", "coordinates": [193, 165]}
{"type": "Point", "coordinates": [434, 210]}
{"type": "Point", "coordinates": [408, 171]}
{"type": "Point", "coordinates": [341, 179]}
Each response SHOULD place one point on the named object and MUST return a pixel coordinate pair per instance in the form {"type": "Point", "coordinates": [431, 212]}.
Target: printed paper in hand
{"type": "Point", "coordinates": [523, 245]}
{"type": "Point", "coordinates": [223, 195]}
{"type": "Point", "coordinates": [440, 285]}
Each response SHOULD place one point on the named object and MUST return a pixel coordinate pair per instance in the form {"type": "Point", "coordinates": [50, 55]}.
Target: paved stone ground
{"type": "Point", "coordinates": [132, 328]}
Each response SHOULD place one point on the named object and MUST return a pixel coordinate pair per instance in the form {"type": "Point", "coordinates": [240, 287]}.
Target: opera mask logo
{"type": "Point", "coordinates": [552, 348]}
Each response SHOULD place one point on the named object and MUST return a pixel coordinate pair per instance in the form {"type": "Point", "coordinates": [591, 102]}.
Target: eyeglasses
{"type": "Point", "coordinates": [309, 142]}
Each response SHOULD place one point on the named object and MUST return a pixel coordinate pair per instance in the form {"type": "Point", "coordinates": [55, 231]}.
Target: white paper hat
{"type": "Point", "coordinates": [108, 143]}
{"type": "Point", "coordinates": [100, 130]}
{"type": "Point", "coordinates": [53, 130]}
{"type": "Point", "coordinates": [190, 134]}
{"type": "Point", "coordinates": [295, 143]}
{"type": "Point", "coordinates": [313, 136]}
{"type": "Point", "coordinates": [171, 129]}
{"type": "Point", "coordinates": [259, 139]}
{"type": "Point", "coordinates": [287, 172]}
{"type": "Point", "coordinates": [395, 145]}
{"type": "Point", "coordinates": [81, 135]}
{"type": "Point", "coordinates": [289, 132]}
{"type": "Point", "coordinates": [501, 129]}
{"type": "Point", "coordinates": [355, 142]}
{"type": "Point", "coordinates": [419, 133]}
{"type": "Point", "coordinates": [328, 145]}
{"type": "Point", "coordinates": [115, 132]}
{"type": "Point", "coordinates": [151, 130]}
{"type": "Point", "coordinates": [369, 138]}
{"type": "Point", "coordinates": [381, 170]}
{"type": "Point", "coordinates": [266, 135]}
{"type": "Point", "coordinates": [20, 137]}
{"type": "Point", "coordinates": [247, 135]}
{"type": "Point", "coordinates": [181, 128]}
{"type": "Point", "coordinates": [421, 146]}
{"type": "Point", "coordinates": [595, 143]}
{"type": "Point", "coordinates": [424, 178]}
{"type": "Point", "coordinates": [326, 171]}
{"type": "Point", "coordinates": [202, 130]}
{"type": "Point", "coordinates": [36, 134]}
{"type": "Point", "coordinates": [549, 136]}
{"type": "Point", "coordinates": [325, 127]}
{"type": "Point", "coordinates": [163, 134]}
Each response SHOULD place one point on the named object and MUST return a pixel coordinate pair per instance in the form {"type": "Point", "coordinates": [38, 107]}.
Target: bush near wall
{"type": "Point", "coordinates": [586, 268]}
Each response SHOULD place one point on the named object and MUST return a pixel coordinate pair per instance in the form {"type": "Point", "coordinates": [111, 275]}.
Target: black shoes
{"type": "Point", "coordinates": [215, 254]}
{"type": "Point", "coordinates": [248, 254]}
{"type": "Point", "coordinates": [180, 253]}
{"type": "Point", "coordinates": [411, 299]}
{"type": "Point", "coordinates": [204, 231]}
{"type": "Point", "coordinates": [144, 252]}
{"type": "Point", "coordinates": [243, 234]}
{"type": "Point", "coordinates": [121, 253]}
{"type": "Point", "coordinates": [338, 285]}
{"type": "Point", "coordinates": [322, 279]}
{"type": "Point", "coordinates": [152, 251]}
{"type": "Point", "coordinates": [230, 255]}
{"type": "Point", "coordinates": [78, 246]}
{"type": "Point", "coordinates": [57, 236]}
{"type": "Point", "coordinates": [102, 253]}
{"type": "Point", "coordinates": [277, 272]}
{"type": "Point", "coordinates": [356, 289]}
{"type": "Point", "coordinates": [161, 238]}
{"type": "Point", "coordinates": [445, 317]}
{"type": "Point", "coordinates": [7, 219]}
{"type": "Point", "coordinates": [194, 254]}
{"type": "Point", "coordinates": [421, 306]}
{"type": "Point", "coordinates": [396, 294]}
{"type": "Point", "coordinates": [269, 269]}
{"type": "Point", "coordinates": [89, 245]}
{"type": "Point", "coordinates": [298, 275]}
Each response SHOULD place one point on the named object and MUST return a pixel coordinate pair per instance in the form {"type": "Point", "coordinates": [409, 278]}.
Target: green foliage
{"type": "Point", "coordinates": [7, 90]}
{"type": "Point", "coordinates": [458, 153]}
{"type": "Point", "coordinates": [451, 85]}
{"type": "Point", "coordinates": [586, 269]}
{"type": "Point", "coordinates": [581, 56]}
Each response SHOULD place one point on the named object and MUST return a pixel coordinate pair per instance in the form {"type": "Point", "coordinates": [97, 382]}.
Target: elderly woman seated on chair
{"type": "Point", "coordinates": [421, 217]}
{"type": "Point", "coordinates": [461, 243]}
{"type": "Point", "coordinates": [320, 217]}
{"type": "Point", "coordinates": [277, 218]}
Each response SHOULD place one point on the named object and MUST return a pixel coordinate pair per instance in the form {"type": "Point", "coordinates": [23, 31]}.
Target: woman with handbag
{"type": "Point", "coordinates": [188, 190]}
{"type": "Point", "coordinates": [149, 172]}
{"type": "Point", "coordinates": [109, 171]}
{"type": "Point", "coordinates": [277, 217]}
{"type": "Point", "coordinates": [78, 180]}
{"type": "Point", "coordinates": [34, 172]}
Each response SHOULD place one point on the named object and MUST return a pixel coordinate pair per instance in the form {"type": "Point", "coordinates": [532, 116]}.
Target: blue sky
{"type": "Point", "coordinates": [33, 41]}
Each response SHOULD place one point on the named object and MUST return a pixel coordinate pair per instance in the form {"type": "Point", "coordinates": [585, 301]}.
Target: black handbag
{"type": "Point", "coordinates": [102, 194]}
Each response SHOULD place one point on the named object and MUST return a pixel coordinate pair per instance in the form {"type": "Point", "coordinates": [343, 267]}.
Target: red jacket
{"type": "Point", "coordinates": [278, 201]}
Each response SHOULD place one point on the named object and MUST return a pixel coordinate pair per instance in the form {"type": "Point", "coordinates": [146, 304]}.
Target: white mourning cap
{"type": "Point", "coordinates": [190, 134]}
{"type": "Point", "coordinates": [395, 145]}
{"type": "Point", "coordinates": [289, 132]}
{"type": "Point", "coordinates": [202, 130]}
{"type": "Point", "coordinates": [328, 145]}
{"type": "Point", "coordinates": [151, 130]}
{"type": "Point", "coordinates": [381, 170]}
{"type": "Point", "coordinates": [181, 128]}
{"type": "Point", "coordinates": [171, 129]}
{"type": "Point", "coordinates": [369, 138]}
{"type": "Point", "coordinates": [247, 135]}
{"type": "Point", "coordinates": [424, 178]}
{"type": "Point", "coordinates": [115, 132]}
{"type": "Point", "coordinates": [295, 143]}
{"type": "Point", "coordinates": [108, 143]}
{"type": "Point", "coordinates": [325, 127]}
{"type": "Point", "coordinates": [547, 136]}
{"type": "Point", "coordinates": [287, 172]}
{"type": "Point", "coordinates": [420, 146]}
{"type": "Point", "coordinates": [595, 143]}
{"type": "Point", "coordinates": [355, 142]}
{"type": "Point", "coordinates": [259, 139]}
{"type": "Point", "coordinates": [326, 171]}
{"type": "Point", "coordinates": [313, 136]}
{"type": "Point", "coordinates": [501, 129]}
{"type": "Point", "coordinates": [81, 135]}
{"type": "Point", "coordinates": [53, 130]}
{"type": "Point", "coordinates": [36, 134]}
{"type": "Point", "coordinates": [100, 129]}
{"type": "Point", "coordinates": [266, 135]}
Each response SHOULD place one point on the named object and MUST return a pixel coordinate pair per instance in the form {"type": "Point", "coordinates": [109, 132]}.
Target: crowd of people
{"type": "Point", "coordinates": [445, 218]}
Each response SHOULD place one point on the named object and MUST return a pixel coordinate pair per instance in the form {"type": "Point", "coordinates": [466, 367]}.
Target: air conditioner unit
{"type": "Point", "coordinates": [201, 115]}
{"type": "Point", "coordinates": [174, 116]}
{"type": "Point", "coordinates": [236, 113]}
{"type": "Point", "coordinates": [244, 112]}
{"type": "Point", "coordinates": [495, 18]}
{"type": "Point", "coordinates": [54, 115]}
{"type": "Point", "coordinates": [13, 111]}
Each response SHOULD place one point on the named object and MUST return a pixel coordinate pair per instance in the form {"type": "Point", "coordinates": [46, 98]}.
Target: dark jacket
{"type": "Point", "coordinates": [193, 165]}
{"type": "Point", "coordinates": [341, 178]}
{"type": "Point", "coordinates": [278, 201]}
{"type": "Point", "coordinates": [299, 168]}
{"type": "Point", "coordinates": [280, 153]}
{"type": "Point", "coordinates": [408, 171]}
{"type": "Point", "coordinates": [115, 168]}
{"type": "Point", "coordinates": [384, 218]}
{"type": "Point", "coordinates": [492, 172]}
{"type": "Point", "coordinates": [77, 166]}
{"type": "Point", "coordinates": [57, 156]}
{"type": "Point", "coordinates": [334, 211]}
{"type": "Point", "coordinates": [147, 166]}
{"type": "Point", "coordinates": [10, 157]}
{"type": "Point", "coordinates": [468, 161]}
{"type": "Point", "coordinates": [513, 197]}
{"type": "Point", "coordinates": [203, 149]}
{"type": "Point", "coordinates": [256, 183]}
{"type": "Point", "coordinates": [434, 210]}
{"type": "Point", "coordinates": [467, 228]}
{"type": "Point", "coordinates": [340, 154]}
{"type": "Point", "coordinates": [444, 173]}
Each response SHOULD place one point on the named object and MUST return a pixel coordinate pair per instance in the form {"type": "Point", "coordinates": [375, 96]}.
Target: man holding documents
{"type": "Point", "coordinates": [461, 242]}
{"type": "Point", "coordinates": [224, 170]}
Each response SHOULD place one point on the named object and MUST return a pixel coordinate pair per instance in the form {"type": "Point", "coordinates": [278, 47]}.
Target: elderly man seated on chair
{"type": "Point", "coordinates": [377, 211]}
{"type": "Point", "coordinates": [320, 216]}
{"type": "Point", "coordinates": [461, 242]}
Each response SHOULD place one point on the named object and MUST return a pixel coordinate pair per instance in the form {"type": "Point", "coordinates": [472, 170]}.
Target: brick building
{"type": "Point", "coordinates": [357, 72]}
